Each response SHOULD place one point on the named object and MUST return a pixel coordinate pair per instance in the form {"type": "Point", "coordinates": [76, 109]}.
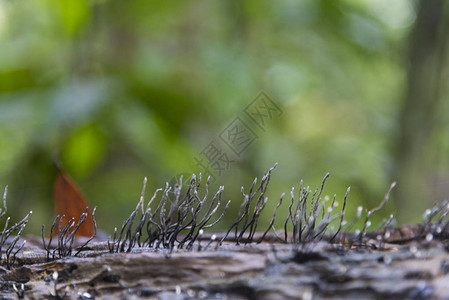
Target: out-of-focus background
{"type": "Point", "coordinates": [128, 89]}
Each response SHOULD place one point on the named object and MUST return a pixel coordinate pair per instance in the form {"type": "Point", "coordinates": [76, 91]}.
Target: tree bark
{"type": "Point", "coordinates": [416, 169]}
{"type": "Point", "coordinates": [405, 265]}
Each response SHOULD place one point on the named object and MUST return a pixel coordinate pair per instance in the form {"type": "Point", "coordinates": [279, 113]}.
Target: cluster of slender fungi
{"type": "Point", "coordinates": [179, 218]}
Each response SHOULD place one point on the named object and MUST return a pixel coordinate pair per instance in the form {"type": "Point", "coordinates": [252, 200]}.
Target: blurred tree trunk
{"type": "Point", "coordinates": [416, 169]}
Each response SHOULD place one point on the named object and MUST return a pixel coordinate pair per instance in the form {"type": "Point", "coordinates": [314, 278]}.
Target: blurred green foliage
{"type": "Point", "coordinates": [127, 89]}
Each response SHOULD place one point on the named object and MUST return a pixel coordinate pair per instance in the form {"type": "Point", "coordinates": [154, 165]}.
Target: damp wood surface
{"type": "Point", "coordinates": [168, 249]}
{"type": "Point", "coordinates": [412, 269]}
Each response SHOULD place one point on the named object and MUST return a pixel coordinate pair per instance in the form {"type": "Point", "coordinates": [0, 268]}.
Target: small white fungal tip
{"type": "Point", "coordinates": [201, 232]}
{"type": "Point", "coordinates": [429, 237]}
{"type": "Point", "coordinates": [55, 275]}
{"type": "Point", "coordinates": [307, 295]}
{"type": "Point", "coordinates": [336, 204]}
{"type": "Point", "coordinates": [213, 237]}
{"type": "Point", "coordinates": [178, 290]}
{"type": "Point", "coordinates": [368, 224]}
{"type": "Point", "coordinates": [191, 293]}
{"type": "Point", "coordinates": [359, 211]}
{"type": "Point", "coordinates": [85, 295]}
{"type": "Point", "coordinates": [426, 214]}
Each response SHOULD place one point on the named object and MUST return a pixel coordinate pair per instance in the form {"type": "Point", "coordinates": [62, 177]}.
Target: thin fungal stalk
{"type": "Point", "coordinates": [371, 212]}
{"type": "Point", "coordinates": [66, 236]}
{"type": "Point", "coordinates": [9, 230]}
